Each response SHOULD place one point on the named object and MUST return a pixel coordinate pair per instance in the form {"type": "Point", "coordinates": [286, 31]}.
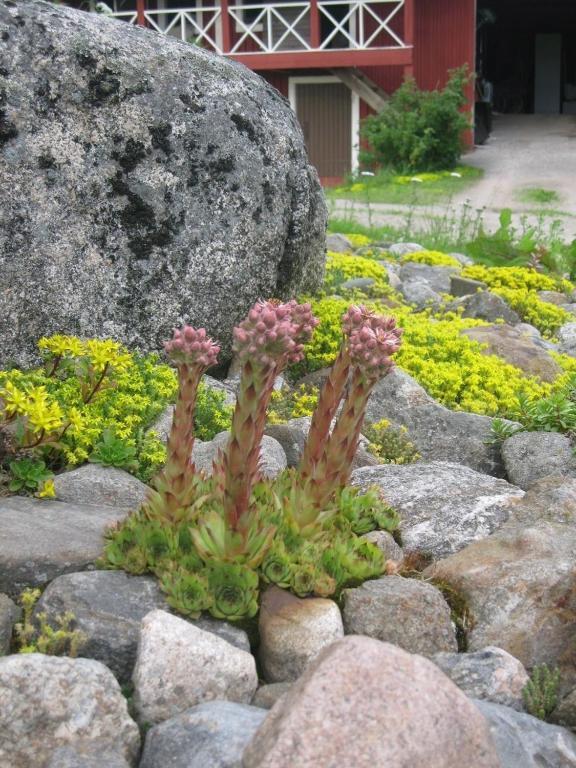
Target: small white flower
{"type": "Point", "coordinates": [456, 175]}
{"type": "Point", "coordinates": [367, 173]}
{"type": "Point", "coordinates": [415, 178]}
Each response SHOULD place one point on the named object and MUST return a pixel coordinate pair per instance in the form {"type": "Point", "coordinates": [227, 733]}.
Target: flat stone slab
{"type": "Point", "coordinates": [40, 539]}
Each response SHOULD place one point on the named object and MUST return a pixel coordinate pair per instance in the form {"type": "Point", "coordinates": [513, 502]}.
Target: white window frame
{"type": "Point", "coordinates": [354, 109]}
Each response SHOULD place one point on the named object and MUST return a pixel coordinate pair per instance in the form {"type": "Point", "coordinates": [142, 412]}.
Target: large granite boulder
{"type": "Point", "coordinates": [520, 589]}
{"type": "Point", "coordinates": [143, 182]}
{"type": "Point", "coordinates": [364, 703]}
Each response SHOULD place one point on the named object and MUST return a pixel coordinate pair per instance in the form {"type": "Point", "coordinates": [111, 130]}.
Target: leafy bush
{"type": "Point", "coordinates": [432, 258]}
{"type": "Point", "coordinates": [418, 130]}
{"type": "Point", "coordinates": [112, 451]}
{"type": "Point", "coordinates": [211, 540]}
{"type": "Point", "coordinates": [59, 413]}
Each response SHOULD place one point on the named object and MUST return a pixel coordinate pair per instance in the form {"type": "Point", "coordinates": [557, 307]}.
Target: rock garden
{"type": "Point", "coordinates": [329, 522]}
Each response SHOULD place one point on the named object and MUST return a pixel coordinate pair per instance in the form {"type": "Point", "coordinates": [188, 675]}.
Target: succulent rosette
{"type": "Point", "coordinates": [188, 592]}
{"type": "Point", "coordinates": [235, 591]}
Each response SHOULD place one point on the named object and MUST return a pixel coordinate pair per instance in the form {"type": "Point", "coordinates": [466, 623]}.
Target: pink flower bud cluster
{"type": "Point", "coordinates": [275, 331]}
{"type": "Point", "coordinates": [372, 339]}
{"type": "Point", "coordinates": [192, 347]}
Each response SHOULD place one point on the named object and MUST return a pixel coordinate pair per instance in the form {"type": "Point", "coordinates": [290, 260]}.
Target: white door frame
{"type": "Point", "coordinates": [354, 109]}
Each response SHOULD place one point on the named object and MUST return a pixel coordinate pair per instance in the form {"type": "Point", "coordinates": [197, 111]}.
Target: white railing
{"type": "Point", "coordinates": [345, 25]}
{"type": "Point", "coordinates": [200, 25]}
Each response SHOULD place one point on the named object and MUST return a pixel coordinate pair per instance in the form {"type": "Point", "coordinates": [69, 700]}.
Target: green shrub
{"type": "Point", "coordinates": [419, 130]}
{"type": "Point", "coordinates": [540, 693]}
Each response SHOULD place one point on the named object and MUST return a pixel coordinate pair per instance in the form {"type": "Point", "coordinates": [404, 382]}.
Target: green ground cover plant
{"type": "Point", "coordinates": [538, 195]}
{"type": "Point", "coordinates": [385, 186]}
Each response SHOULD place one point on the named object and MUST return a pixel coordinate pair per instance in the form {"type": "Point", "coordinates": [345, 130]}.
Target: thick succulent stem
{"type": "Point", "coordinates": [325, 412]}
{"type": "Point", "coordinates": [371, 339]}
{"type": "Point", "coordinates": [240, 461]}
{"type": "Point", "coordinates": [271, 336]}
{"type": "Point", "coordinates": [193, 353]}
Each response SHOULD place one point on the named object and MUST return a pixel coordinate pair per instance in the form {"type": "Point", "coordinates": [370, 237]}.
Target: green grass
{"type": "Point", "coordinates": [538, 196]}
{"type": "Point", "coordinates": [386, 187]}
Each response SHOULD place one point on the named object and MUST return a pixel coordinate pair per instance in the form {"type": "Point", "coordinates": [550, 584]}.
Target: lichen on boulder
{"type": "Point", "coordinates": [143, 182]}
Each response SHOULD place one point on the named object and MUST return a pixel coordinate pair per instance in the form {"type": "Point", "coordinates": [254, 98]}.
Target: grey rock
{"type": "Point", "coordinates": [401, 249]}
{"type": "Point", "coordinates": [567, 338]}
{"type": "Point", "coordinates": [272, 456]}
{"type": "Point", "coordinates": [50, 702]}
{"type": "Point", "coordinates": [565, 712]}
{"type": "Point", "coordinates": [40, 539]}
{"type": "Point", "coordinates": [530, 456]}
{"type": "Point", "coordinates": [104, 486]}
{"type": "Point", "coordinates": [520, 589]}
{"type": "Point", "coordinates": [466, 261]}
{"type": "Point", "coordinates": [9, 615]}
{"type": "Point", "coordinates": [292, 437]}
{"type": "Point", "coordinates": [392, 274]}
{"type": "Point", "coordinates": [490, 674]}
{"type": "Point", "coordinates": [523, 741]}
{"type": "Point", "coordinates": [267, 695]}
{"type": "Point", "coordinates": [436, 278]}
{"type": "Point", "coordinates": [464, 286]}
{"type": "Point", "coordinates": [385, 542]}
{"type": "Point", "coordinates": [211, 735]}
{"type": "Point", "coordinates": [551, 499]}
{"type": "Point", "coordinates": [338, 243]}
{"type": "Point", "coordinates": [529, 354]}
{"type": "Point", "coordinates": [442, 506]}
{"type": "Point", "coordinates": [357, 284]}
{"type": "Point", "coordinates": [436, 431]}
{"type": "Point", "coordinates": [108, 607]}
{"type": "Point", "coordinates": [293, 631]}
{"type": "Point", "coordinates": [145, 182]}
{"type": "Point", "coordinates": [553, 297]}
{"type": "Point", "coordinates": [419, 294]}
{"type": "Point", "coordinates": [490, 307]}
{"type": "Point", "coordinates": [226, 387]}
{"type": "Point", "coordinates": [96, 757]}
{"type": "Point", "coordinates": [529, 330]}
{"type": "Point", "coordinates": [179, 666]}
{"type": "Point", "coordinates": [408, 613]}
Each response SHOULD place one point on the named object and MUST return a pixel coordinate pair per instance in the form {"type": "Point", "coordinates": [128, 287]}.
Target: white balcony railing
{"type": "Point", "coordinates": [286, 27]}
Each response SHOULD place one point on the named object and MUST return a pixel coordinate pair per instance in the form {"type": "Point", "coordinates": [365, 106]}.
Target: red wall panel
{"type": "Point", "coordinates": [278, 80]}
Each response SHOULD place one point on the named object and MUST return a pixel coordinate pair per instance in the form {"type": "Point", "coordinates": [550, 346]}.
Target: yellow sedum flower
{"type": "Point", "coordinates": [61, 346]}
{"type": "Point", "coordinates": [432, 258]}
{"type": "Point", "coordinates": [110, 353]}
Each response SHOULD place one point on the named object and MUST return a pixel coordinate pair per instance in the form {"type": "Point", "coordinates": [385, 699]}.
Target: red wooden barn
{"type": "Point", "coordinates": [336, 60]}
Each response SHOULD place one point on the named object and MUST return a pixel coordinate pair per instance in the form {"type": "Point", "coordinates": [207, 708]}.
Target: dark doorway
{"type": "Point", "coordinates": [526, 55]}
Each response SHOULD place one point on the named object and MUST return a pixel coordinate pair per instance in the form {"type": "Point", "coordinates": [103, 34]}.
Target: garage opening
{"type": "Point", "coordinates": [526, 55]}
